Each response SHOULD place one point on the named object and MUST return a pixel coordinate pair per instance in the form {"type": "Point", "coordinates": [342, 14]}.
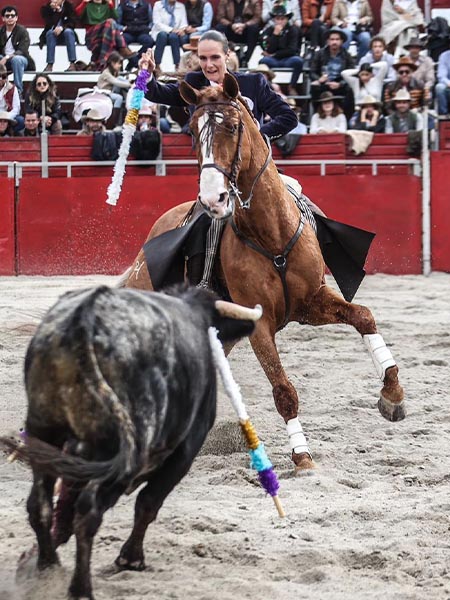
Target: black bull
{"type": "Point", "coordinates": [121, 391]}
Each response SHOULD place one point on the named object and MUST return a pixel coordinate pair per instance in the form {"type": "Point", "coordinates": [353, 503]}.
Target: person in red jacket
{"type": "Point", "coordinates": [316, 20]}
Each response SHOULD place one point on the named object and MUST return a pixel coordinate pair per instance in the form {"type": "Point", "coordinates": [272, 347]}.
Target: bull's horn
{"type": "Point", "coordinates": [236, 311]}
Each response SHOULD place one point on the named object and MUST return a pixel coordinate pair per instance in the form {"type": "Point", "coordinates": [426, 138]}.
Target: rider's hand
{"type": "Point", "coordinates": [147, 61]}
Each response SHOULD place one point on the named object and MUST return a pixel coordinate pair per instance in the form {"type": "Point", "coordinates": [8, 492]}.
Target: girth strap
{"type": "Point", "coordinates": [279, 260]}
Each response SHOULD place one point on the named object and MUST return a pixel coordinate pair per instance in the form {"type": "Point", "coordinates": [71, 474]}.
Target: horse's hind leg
{"type": "Point", "coordinates": [284, 393]}
{"type": "Point", "coordinates": [327, 308]}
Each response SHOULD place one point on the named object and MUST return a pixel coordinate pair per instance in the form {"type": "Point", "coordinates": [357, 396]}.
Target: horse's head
{"type": "Point", "coordinates": [217, 127]}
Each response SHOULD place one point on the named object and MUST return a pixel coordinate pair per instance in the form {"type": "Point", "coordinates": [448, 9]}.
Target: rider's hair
{"type": "Point", "coordinates": [216, 36]}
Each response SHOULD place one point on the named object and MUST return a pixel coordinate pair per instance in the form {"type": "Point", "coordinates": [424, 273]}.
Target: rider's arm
{"type": "Point", "coordinates": [167, 93]}
{"type": "Point", "coordinates": [282, 118]}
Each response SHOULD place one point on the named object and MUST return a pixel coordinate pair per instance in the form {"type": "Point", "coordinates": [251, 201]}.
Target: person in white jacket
{"type": "Point", "coordinates": [169, 28]}
{"type": "Point", "coordinates": [329, 117]}
{"type": "Point", "coordinates": [365, 82]}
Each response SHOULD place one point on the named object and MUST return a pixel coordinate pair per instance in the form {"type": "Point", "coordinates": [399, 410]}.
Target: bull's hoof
{"type": "Point", "coordinates": [303, 462]}
{"type": "Point", "coordinates": [391, 411]}
{"type": "Point", "coordinates": [126, 565]}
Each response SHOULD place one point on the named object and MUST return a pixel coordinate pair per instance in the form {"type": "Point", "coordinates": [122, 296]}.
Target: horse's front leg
{"type": "Point", "coordinates": [327, 307]}
{"type": "Point", "coordinates": [284, 393]}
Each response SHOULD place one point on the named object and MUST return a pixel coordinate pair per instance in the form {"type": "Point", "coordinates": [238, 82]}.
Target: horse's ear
{"type": "Point", "coordinates": [188, 93]}
{"type": "Point", "coordinates": [230, 86]}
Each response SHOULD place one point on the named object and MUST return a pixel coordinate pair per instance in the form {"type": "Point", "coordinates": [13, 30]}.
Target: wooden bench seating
{"type": "Point", "coordinates": [384, 146]}
{"type": "Point", "coordinates": [20, 150]}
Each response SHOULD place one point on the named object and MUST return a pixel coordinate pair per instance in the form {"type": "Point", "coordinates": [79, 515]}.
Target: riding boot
{"type": "Point", "coordinates": [212, 243]}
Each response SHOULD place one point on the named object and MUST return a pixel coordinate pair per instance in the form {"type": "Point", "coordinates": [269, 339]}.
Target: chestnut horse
{"type": "Point", "coordinates": [265, 230]}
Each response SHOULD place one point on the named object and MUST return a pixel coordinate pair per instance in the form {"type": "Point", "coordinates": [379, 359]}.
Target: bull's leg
{"type": "Point", "coordinates": [63, 514]}
{"type": "Point", "coordinates": [40, 509]}
{"type": "Point", "coordinates": [284, 393]}
{"type": "Point", "coordinates": [327, 307]}
{"type": "Point", "coordinates": [160, 484]}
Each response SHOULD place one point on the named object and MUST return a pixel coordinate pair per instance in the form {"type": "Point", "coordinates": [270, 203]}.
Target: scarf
{"type": "Point", "coordinates": [170, 8]}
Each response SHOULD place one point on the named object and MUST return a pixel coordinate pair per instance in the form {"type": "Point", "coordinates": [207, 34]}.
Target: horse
{"type": "Point", "coordinates": [269, 254]}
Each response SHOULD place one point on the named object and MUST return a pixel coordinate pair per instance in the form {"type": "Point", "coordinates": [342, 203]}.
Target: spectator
{"type": "Point", "coordinates": [369, 116]}
{"type": "Point", "coordinates": [327, 66]}
{"type": "Point", "coordinates": [403, 119]}
{"type": "Point", "coordinates": [425, 66]}
{"type": "Point", "coordinates": [329, 117]}
{"type": "Point", "coordinates": [232, 58]}
{"type": "Point", "coordinates": [363, 82]}
{"type": "Point", "coordinates": [9, 98]}
{"type": "Point", "coordinates": [378, 53]}
{"type": "Point", "coordinates": [14, 46]}
{"type": "Point", "coordinates": [32, 122]}
{"type": "Point", "coordinates": [110, 79]}
{"type": "Point", "coordinates": [316, 20]}
{"type": "Point", "coordinates": [399, 22]}
{"type": "Point", "coordinates": [443, 85]}
{"type": "Point", "coordinates": [135, 16]}
{"type": "Point", "coordinates": [240, 22]}
{"type": "Point", "coordinates": [93, 122]}
{"type": "Point", "coordinates": [405, 80]}
{"type": "Point", "coordinates": [280, 43]}
{"type": "Point", "coordinates": [355, 18]}
{"type": "Point", "coordinates": [59, 19]}
{"type": "Point", "coordinates": [292, 6]}
{"type": "Point", "coordinates": [43, 90]}
{"type": "Point", "coordinates": [103, 35]}
{"type": "Point", "coordinates": [6, 124]}
{"type": "Point", "coordinates": [189, 61]}
{"type": "Point", "coordinates": [169, 24]}
{"type": "Point", "coordinates": [269, 75]}
{"type": "Point", "coordinates": [199, 17]}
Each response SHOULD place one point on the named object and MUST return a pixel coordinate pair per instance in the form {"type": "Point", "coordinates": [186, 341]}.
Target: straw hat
{"type": "Point", "coordinates": [94, 115]}
{"type": "Point", "coordinates": [265, 70]}
{"type": "Point", "coordinates": [402, 96]}
{"type": "Point", "coordinates": [405, 61]}
{"type": "Point", "coordinates": [367, 100]}
{"type": "Point", "coordinates": [146, 111]}
{"type": "Point", "coordinates": [4, 116]}
{"type": "Point", "coordinates": [280, 11]}
{"type": "Point", "coordinates": [193, 43]}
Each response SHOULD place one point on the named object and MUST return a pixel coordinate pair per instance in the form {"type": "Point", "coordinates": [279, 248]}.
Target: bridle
{"type": "Point", "coordinates": [206, 135]}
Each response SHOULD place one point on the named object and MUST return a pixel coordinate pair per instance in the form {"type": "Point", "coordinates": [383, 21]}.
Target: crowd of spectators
{"type": "Point", "coordinates": [354, 77]}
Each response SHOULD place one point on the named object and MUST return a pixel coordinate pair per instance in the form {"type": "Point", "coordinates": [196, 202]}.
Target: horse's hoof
{"type": "Point", "coordinates": [125, 565]}
{"type": "Point", "coordinates": [391, 411]}
{"type": "Point", "coordinates": [303, 462]}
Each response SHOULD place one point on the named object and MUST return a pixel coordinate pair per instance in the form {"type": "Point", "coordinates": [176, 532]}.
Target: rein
{"type": "Point", "coordinates": [279, 260]}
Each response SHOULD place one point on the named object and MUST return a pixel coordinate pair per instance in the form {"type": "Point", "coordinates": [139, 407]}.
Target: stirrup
{"type": "Point", "coordinates": [204, 284]}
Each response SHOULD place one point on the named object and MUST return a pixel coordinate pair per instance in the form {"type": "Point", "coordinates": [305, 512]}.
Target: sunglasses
{"type": "Point", "coordinates": [404, 72]}
{"type": "Point", "coordinates": [10, 16]}
{"type": "Point", "coordinates": [41, 83]}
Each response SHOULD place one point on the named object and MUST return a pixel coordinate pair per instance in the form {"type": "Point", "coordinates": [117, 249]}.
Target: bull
{"type": "Point", "coordinates": [121, 390]}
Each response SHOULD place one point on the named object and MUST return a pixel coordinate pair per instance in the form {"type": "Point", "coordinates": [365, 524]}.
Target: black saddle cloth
{"type": "Point", "coordinates": [344, 249]}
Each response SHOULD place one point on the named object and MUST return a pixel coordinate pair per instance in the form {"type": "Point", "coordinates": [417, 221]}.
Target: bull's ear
{"type": "Point", "coordinates": [230, 86]}
{"type": "Point", "coordinates": [188, 93]}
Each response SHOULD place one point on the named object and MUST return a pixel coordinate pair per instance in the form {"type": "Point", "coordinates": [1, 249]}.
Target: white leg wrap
{"type": "Point", "coordinates": [381, 355]}
{"type": "Point", "coordinates": [297, 437]}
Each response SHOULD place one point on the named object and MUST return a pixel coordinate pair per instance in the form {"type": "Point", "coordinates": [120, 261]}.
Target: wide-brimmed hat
{"type": "Point", "coordinates": [402, 96]}
{"type": "Point", "coordinates": [405, 61]}
{"type": "Point", "coordinates": [415, 43]}
{"type": "Point", "coordinates": [338, 30]}
{"type": "Point", "coordinates": [193, 43]}
{"type": "Point", "coordinates": [94, 115]}
{"type": "Point", "coordinates": [367, 100]}
{"type": "Point", "coordinates": [265, 70]}
{"type": "Point", "coordinates": [327, 96]}
{"type": "Point", "coordinates": [280, 11]}
{"type": "Point", "coordinates": [146, 111]}
{"type": "Point", "coordinates": [4, 116]}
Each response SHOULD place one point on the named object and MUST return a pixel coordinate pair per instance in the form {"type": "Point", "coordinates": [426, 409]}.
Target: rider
{"type": "Point", "coordinates": [213, 53]}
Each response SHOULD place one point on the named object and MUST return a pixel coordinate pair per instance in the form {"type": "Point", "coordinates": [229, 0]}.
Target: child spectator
{"type": "Point", "coordinates": [362, 81]}
{"type": "Point", "coordinates": [280, 45]}
{"type": "Point", "coordinates": [9, 98]}
{"type": "Point", "coordinates": [443, 85]}
{"type": "Point", "coordinates": [135, 16]}
{"type": "Point", "coordinates": [14, 46]}
{"type": "Point", "coordinates": [399, 22]}
{"type": "Point", "coordinates": [93, 122]}
{"type": "Point", "coordinates": [169, 25]}
{"type": "Point", "coordinates": [316, 20]}
{"type": "Point", "coordinates": [102, 31]}
{"type": "Point", "coordinates": [43, 90]}
{"type": "Point", "coordinates": [240, 22]}
{"type": "Point", "coordinates": [405, 80]}
{"type": "Point", "coordinates": [403, 119]}
{"type": "Point", "coordinates": [425, 65]}
{"type": "Point", "coordinates": [355, 18]}
{"type": "Point", "coordinates": [31, 128]}
{"type": "Point", "coordinates": [378, 53]}
{"type": "Point", "coordinates": [59, 24]}
{"type": "Point", "coordinates": [369, 116]}
{"type": "Point", "coordinates": [109, 79]}
{"type": "Point", "coordinates": [6, 124]}
{"type": "Point", "coordinates": [329, 117]}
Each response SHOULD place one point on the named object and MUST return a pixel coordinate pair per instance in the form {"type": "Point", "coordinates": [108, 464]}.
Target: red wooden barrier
{"type": "Point", "coordinates": [6, 226]}
{"type": "Point", "coordinates": [68, 229]}
{"type": "Point", "coordinates": [440, 215]}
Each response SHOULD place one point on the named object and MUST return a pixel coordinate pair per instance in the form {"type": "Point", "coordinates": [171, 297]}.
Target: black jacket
{"type": "Point", "coordinates": [52, 17]}
{"type": "Point", "coordinates": [283, 45]}
{"type": "Point", "coordinates": [322, 58]}
{"type": "Point", "coordinates": [21, 42]}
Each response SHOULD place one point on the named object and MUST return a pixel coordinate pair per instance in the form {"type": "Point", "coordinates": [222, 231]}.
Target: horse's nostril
{"type": "Point", "coordinates": [223, 196]}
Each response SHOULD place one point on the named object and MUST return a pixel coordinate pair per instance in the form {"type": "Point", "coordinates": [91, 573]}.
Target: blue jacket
{"type": "Point", "coordinates": [254, 88]}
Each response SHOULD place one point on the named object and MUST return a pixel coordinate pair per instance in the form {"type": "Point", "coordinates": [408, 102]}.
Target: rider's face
{"type": "Point", "coordinates": [212, 60]}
